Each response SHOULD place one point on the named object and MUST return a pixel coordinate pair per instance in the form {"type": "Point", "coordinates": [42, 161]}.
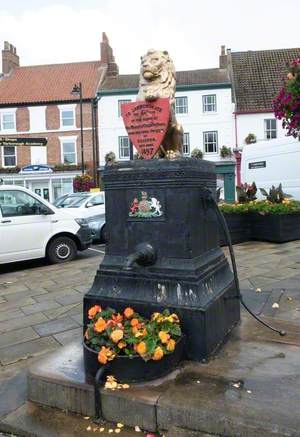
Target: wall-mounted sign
{"type": "Point", "coordinates": [40, 168]}
{"type": "Point", "coordinates": [38, 142]}
{"type": "Point", "coordinates": [258, 164]}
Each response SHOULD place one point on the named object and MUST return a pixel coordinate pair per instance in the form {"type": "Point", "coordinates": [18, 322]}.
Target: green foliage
{"type": "Point", "coordinates": [275, 195]}
{"type": "Point", "coordinates": [262, 207]}
{"type": "Point", "coordinates": [236, 208]}
{"type": "Point", "coordinates": [246, 193]}
{"type": "Point", "coordinates": [110, 158]}
{"type": "Point", "coordinates": [225, 152]}
{"type": "Point", "coordinates": [250, 139]}
{"type": "Point", "coordinates": [197, 153]}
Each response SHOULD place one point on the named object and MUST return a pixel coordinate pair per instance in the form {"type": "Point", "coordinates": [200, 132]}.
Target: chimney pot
{"type": "Point", "coordinates": [10, 59]}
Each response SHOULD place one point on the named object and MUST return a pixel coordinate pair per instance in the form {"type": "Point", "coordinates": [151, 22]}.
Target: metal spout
{"type": "Point", "coordinates": [131, 259]}
{"type": "Point", "coordinates": [144, 255]}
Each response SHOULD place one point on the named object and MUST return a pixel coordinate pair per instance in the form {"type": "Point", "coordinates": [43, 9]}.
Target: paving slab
{"type": "Point", "coordinates": [22, 322]}
{"type": "Point", "coordinates": [12, 354]}
{"type": "Point", "coordinates": [32, 420]}
{"type": "Point", "coordinates": [55, 326]}
{"type": "Point", "coordinates": [16, 337]}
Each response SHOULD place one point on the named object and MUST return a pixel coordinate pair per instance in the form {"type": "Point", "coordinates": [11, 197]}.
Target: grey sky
{"type": "Point", "coordinates": [192, 31]}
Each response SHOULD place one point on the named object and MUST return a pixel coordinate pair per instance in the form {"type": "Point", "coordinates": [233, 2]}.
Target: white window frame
{"type": "Point", "coordinates": [269, 130]}
{"type": "Point", "coordinates": [67, 108]}
{"type": "Point", "coordinates": [206, 105]}
{"type": "Point", "coordinates": [186, 143]}
{"type": "Point", "coordinates": [3, 160]}
{"type": "Point", "coordinates": [8, 112]}
{"type": "Point", "coordinates": [68, 140]}
{"type": "Point", "coordinates": [184, 105]}
{"type": "Point", "coordinates": [120, 139]}
{"type": "Point", "coordinates": [121, 102]}
{"type": "Point", "coordinates": [205, 143]}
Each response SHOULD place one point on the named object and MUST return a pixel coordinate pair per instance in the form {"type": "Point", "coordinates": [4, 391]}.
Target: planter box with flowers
{"type": "Point", "coordinates": [237, 215]}
{"type": "Point", "coordinates": [132, 347]}
{"type": "Point", "coordinates": [237, 219]}
{"type": "Point", "coordinates": [277, 223]}
{"type": "Point", "coordinates": [276, 219]}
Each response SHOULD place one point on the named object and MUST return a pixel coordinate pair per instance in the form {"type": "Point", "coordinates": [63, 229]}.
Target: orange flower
{"type": "Point", "coordinates": [100, 325]}
{"type": "Point", "coordinates": [141, 348]}
{"type": "Point", "coordinates": [171, 345]}
{"type": "Point", "coordinates": [128, 312]}
{"type": "Point", "coordinates": [121, 344]}
{"type": "Point", "coordinates": [93, 311]}
{"type": "Point", "coordinates": [117, 318]}
{"type": "Point", "coordinates": [116, 335]}
{"type": "Point", "coordinates": [164, 336]}
{"type": "Point", "coordinates": [105, 355]}
{"type": "Point", "coordinates": [135, 330]}
{"type": "Point", "coordinates": [134, 322]}
{"type": "Point", "coordinates": [158, 354]}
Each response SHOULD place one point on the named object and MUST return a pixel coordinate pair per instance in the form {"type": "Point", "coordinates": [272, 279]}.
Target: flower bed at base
{"type": "Point", "coordinates": [262, 221]}
{"type": "Point", "coordinates": [131, 345]}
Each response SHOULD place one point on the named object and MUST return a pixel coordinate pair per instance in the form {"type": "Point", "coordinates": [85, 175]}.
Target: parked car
{"type": "Point", "coordinates": [30, 227]}
{"type": "Point", "coordinates": [88, 206]}
{"type": "Point", "coordinates": [97, 227]}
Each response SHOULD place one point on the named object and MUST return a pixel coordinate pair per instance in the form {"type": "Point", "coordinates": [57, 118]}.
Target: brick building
{"type": "Point", "coordinates": [36, 101]}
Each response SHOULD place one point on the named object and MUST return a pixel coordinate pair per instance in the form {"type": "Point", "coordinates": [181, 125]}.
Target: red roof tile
{"type": "Point", "coordinates": [49, 83]}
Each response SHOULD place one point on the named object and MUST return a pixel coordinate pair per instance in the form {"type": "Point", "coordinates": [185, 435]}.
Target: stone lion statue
{"type": "Point", "coordinates": [158, 79]}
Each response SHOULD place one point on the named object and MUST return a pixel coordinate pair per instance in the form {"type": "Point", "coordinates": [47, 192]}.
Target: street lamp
{"type": "Point", "coordinates": [77, 90]}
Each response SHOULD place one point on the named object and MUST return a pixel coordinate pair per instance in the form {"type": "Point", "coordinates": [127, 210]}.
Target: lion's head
{"type": "Point", "coordinates": [157, 76]}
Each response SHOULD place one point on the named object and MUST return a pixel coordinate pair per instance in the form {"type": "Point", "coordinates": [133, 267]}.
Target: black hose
{"type": "Point", "coordinates": [223, 223]}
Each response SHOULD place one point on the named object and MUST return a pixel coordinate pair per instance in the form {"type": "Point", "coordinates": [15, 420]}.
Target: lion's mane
{"type": "Point", "coordinates": [163, 83]}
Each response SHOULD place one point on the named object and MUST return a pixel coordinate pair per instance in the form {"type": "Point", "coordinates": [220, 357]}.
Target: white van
{"type": "Point", "coordinates": [30, 227]}
{"type": "Point", "coordinates": [273, 162]}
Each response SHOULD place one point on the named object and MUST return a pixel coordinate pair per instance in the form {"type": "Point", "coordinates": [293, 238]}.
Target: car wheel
{"type": "Point", "coordinates": [103, 234]}
{"type": "Point", "coordinates": [61, 249]}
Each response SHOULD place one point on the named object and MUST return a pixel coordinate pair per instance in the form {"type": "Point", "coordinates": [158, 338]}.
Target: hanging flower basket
{"type": "Point", "coordinates": [131, 347]}
{"type": "Point", "coordinates": [287, 103]}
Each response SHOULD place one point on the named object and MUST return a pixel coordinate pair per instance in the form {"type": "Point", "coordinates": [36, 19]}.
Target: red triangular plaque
{"type": "Point", "coordinates": [146, 123]}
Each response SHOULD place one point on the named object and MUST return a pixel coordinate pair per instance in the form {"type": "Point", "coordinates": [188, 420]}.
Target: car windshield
{"type": "Point", "coordinates": [72, 201]}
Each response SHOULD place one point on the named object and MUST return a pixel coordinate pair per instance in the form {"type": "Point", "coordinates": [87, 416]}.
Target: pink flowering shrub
{"type": "Point", "coordinates": [287, 103]}
{"type": "Point", "coordinates": [83, 183]}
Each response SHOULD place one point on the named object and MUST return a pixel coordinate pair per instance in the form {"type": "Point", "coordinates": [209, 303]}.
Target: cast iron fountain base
{"type": "Point", "coordinates": [189, 274]}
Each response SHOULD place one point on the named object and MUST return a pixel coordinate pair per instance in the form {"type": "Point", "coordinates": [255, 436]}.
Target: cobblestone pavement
{"type": "Point", "coordinates": [41, 304]}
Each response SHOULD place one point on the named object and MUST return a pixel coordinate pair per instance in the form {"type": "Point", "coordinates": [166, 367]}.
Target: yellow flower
{"type": "Point", "coordinates": [100, 325]}
{"type": "Point", "coordinates": [164, 337]}
{"type": "Point", "coordinates": [121, 344]}
{"type": "Point", "coordinates": [173, 318]}
{"type": "Point", "coordinates": [155, 316]}
{"type": "Point", "coordinates": [141, 348]}
{"type": "Point", "coordinates": [171, 345]}
{"type": "Point", "coordinates": [158, 354]}
{"type": "Point", "coordinates": [116, 335]}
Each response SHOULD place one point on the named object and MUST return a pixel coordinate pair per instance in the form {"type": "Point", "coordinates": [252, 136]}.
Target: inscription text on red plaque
{"type": "Point", "coordinates": [146, 123]}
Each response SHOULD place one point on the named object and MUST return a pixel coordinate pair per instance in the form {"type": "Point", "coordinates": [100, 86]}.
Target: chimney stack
{"type": "Point", "coordinates": [107, 57]}
{"type": "Point", "coordinates": [10, 59]}
{"type": "Point", "coordinates": [223, 58]}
